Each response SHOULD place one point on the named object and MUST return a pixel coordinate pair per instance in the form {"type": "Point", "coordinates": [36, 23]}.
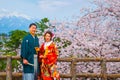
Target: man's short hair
{"type": "Point", "coordinates": [32, 24]}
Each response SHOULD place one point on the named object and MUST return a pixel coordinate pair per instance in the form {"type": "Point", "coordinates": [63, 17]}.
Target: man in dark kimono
{"type": "Point", "coordinates": [27, 52]}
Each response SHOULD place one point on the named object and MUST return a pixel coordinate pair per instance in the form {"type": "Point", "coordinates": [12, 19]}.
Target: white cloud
{"type": "Point", "coordinates": [6, 13]}
{"type": "Point", "coordinates": [52, 5]}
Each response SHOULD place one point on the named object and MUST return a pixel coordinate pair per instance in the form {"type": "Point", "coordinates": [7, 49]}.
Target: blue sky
{"type": "Point", "coordinates": [52, 9]}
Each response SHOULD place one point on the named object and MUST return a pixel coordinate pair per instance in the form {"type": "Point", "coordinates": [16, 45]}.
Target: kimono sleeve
{"type": "Point", "coordinates": [24, 48]}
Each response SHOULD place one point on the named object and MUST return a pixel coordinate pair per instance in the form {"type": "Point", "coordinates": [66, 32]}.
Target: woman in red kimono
{"type": "Point", "coordinates": [47, 57]}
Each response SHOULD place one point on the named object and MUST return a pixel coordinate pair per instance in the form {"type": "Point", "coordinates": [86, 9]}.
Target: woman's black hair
{"type": "Point", "coordinates": [48, 32]}
{"type": "Point", "coordinates": [32, 25]}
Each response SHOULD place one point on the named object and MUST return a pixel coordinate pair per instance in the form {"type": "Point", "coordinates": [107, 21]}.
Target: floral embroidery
{"type": "Point", "coordinates": [48, 58]}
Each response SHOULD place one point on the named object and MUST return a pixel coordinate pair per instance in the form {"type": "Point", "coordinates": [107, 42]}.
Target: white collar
{"type": "Point", "coordinates": [47, 44]}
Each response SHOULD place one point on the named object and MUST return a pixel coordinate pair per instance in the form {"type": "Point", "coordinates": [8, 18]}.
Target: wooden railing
{"type": "Point", "coordinates": [73, 75]}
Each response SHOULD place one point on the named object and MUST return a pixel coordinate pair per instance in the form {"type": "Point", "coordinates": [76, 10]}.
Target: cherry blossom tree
{"type": "Point", "coordinates": [96, 34]}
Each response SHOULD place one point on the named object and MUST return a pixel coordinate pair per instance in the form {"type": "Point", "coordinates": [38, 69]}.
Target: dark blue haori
{"type": "Point", "coordinates": [28, 51]}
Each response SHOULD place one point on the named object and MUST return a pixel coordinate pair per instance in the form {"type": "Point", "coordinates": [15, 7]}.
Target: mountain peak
{"type": "Point", "coordinates": [5, 13]}
{"type": "Point", "coordinates": [13, 22]}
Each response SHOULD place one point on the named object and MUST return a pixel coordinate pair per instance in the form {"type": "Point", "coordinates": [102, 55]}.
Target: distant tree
{"type": "Point", "coordinates": [0, 44]}
{"type": "Point", "coordinates": [3, 38]}
{"type": "Point", "coordinates": [45, 20]}
{"type": "Point", "coordinates": [42, 25]}
{"type": "Point", "coordinates": [15, 40]}
{"type": "Point", "coordinates": [3, 34]}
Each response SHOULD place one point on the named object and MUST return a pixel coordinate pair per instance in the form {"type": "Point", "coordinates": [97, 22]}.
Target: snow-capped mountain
{"type": "Point", "coordinates": [8, 23]}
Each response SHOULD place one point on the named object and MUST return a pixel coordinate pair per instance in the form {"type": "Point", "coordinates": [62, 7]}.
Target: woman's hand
{"type": "Point", "coordinates": [41, 56]}
{"type": "Point", "coordinates": [37, 49]}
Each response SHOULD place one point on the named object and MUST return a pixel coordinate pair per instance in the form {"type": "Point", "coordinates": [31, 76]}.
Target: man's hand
{"type": "Point", "coordinates": [25, 61]}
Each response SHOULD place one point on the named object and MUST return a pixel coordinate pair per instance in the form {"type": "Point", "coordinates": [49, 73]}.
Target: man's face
{"type": "Point", "coordinates": [32, 29]}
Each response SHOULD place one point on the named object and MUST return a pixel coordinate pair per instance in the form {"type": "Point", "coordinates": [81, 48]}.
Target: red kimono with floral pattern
{"type": "Point", "coordinates": [48, 58]}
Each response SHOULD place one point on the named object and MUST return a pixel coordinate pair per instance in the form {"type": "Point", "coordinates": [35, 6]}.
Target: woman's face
{"type": "Point", "coordinates": [47, 37]}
